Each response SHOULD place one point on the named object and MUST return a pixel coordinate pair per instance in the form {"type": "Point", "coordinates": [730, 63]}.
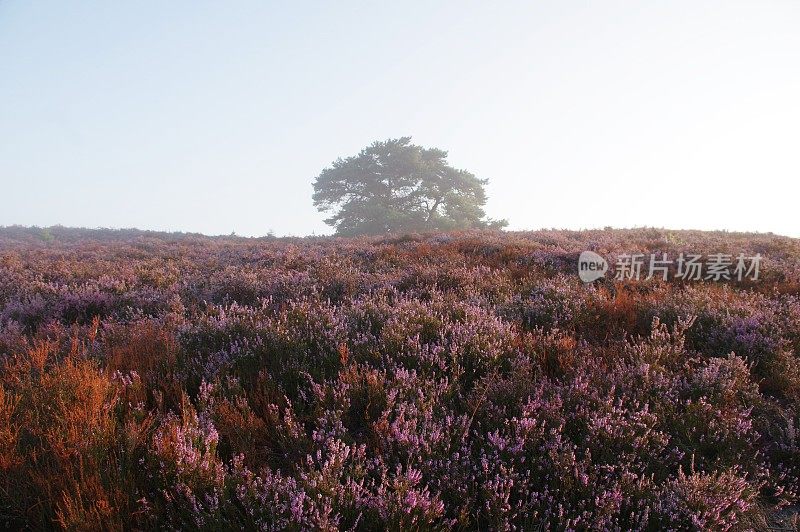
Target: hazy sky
{"type": "Point", "coordinates": [216, 117]}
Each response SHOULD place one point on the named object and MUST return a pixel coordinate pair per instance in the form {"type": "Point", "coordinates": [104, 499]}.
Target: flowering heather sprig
{"type": "Point", "coordinates": [704, 501]}
{"type": "Point", "coordinates": [191, 476]}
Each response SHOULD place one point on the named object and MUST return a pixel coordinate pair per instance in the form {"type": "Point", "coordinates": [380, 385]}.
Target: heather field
{"type": "Point", "coordinates": [466, 381]}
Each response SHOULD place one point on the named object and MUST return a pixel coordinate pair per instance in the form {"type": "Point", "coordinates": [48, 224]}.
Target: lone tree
{"type": "Point", "coordinates": [395, 187]}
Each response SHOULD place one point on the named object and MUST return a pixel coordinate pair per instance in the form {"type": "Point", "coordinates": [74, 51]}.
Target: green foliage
{"type": "Point", "coordinates": [46, 235]}
{"type": "Point", "coordinates": [395, 186]}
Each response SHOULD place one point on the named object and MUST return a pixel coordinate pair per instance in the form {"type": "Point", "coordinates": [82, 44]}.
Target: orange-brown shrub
{"type": "Point", "coordinates": [62, 452]}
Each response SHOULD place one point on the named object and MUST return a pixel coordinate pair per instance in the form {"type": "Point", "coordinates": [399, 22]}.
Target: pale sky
{"type": "Point", "coordinates": [215, 117]}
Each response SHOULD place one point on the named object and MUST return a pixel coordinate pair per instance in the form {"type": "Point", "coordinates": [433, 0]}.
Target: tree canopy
{"type": "Point", "coordinates": [395, 186]}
